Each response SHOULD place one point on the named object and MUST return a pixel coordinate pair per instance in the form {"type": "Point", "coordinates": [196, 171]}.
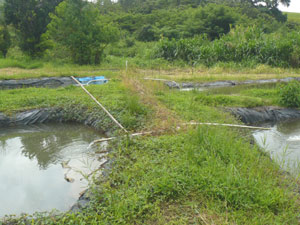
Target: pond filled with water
{"type": "Point", "coordinates": [231, 90]}
{"type": "Point", "coordinates": [41, 166]}
{"type": "Point", "coordinates": [283, 144]}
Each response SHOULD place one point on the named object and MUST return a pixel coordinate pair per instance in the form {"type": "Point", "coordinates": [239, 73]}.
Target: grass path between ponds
{"type": "Point", "coordinates": [196, 175]}
{"type": "Point", "coordinates": [119, 101]}
{"type": "Point", "coordinates": [16, 69]}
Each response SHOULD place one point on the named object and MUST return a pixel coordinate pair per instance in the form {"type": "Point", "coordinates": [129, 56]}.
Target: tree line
{"type": "Point", "coordinates": [86, 28]}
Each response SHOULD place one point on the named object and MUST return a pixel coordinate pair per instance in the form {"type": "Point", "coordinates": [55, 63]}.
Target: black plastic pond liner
{"type": "Point", "coordinates": [183, 85]}
{"type": "Point", "coordinates": [52, 82]}
{"type": "Point", "coordinates": [255, 116]}
{"type": "Point", "coordinates": [45, 115]}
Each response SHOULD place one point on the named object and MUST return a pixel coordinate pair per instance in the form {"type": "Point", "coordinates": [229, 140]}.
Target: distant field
{"type": "Point", "coordinates": [293, 17]}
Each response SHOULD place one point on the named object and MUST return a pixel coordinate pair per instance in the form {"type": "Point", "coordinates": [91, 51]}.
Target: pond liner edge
{"type": "Point", "coordinates": [225, 83]}
{"type": "Point", "coordinates": [264, 115]}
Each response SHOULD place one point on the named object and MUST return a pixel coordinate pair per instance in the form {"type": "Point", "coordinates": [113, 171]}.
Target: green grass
{"type": "Point", "coordinates": [123, 104]}
{"type": "Point", "coordinates": [16, 69]}
{"type": "Point", "coordinates": [194, 175]}
{"type": "Point", "coordinates": [11, 63]}
{"type": "Point", "coordinates": [115, 67]}
{"type": "Point", "coordinates": [293, 17]}
{"type": "Point", "coordinates": [210, 174]}
{"type": "Point", "coordinates": [205, 106]}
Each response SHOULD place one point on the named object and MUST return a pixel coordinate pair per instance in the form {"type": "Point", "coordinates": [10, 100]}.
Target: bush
{"type": "Point", "coordinates": [86, 36]}
{"type": "Point", "coordinates": [289, 94]}
{"type": "Point", "coordinates": [5, 40]}
{"type": "Point", "coordinates": [241, 44]}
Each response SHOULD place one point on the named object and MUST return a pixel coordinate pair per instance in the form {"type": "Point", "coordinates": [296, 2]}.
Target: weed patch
{"type": "Point", "coordinates": [289, 94]}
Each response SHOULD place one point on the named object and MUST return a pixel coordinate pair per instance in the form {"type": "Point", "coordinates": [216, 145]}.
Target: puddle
{"type": "Point", "coordinates": [283, 143]}
{"type": "Point", "coordinates": [37, 161]}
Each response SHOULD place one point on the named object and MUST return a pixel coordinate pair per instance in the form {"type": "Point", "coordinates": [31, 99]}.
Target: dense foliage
{"type": "Point", "coordinates": [30, 19]}
{"type": "Point", "coordinates": [289, 94]}
{"type": "Point", "coordinates": [192, 31]}
{"type": "Point", "coordinates": [5, 40]}
{"type": "Point", "coordinates": [248, 44]}
{"type": "Point", "coordinates": [79, 26]}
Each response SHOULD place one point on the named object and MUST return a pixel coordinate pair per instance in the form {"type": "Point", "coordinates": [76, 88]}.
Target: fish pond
{"type": "Point", "coordinates": [283, 144]}
{"type": "Point", "coordinates": [44, 167]}
{"type": "Point", "coordinates": [232, 90]}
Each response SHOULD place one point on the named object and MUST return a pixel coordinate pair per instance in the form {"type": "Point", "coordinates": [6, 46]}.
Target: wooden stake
{"type": "Point", "coordinates": [105, 110]}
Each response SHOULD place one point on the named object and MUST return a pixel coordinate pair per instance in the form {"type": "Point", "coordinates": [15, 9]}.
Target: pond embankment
{"type": "Point", "coordinates": [249, 116]}
{"type": "Point", "coordinates": [37, 82]}
{"type": "Point", "coordinates": [227, 83]}
{"type": "Point", "coordinates": [55, 82]}
{"type": "Point", "coordinates": [97, 120]}
{"type": "Point", "coordinates": [259, 115]}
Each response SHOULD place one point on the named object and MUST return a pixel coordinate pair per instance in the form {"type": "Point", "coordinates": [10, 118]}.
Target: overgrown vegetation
{"type": "Point", "coordinates": [78, 26]}
{"type": "Point", "coordinates": [180, 174]}
{"type": "Point", "coordinates": [124, 105]}
{"type": "Point", "coordinates": [196, 175]}
{"type": "Point", "coordinates": [186, 32]}
{"type": "Point", "coordinates": [290, 94]}
{"type": "Point", "coordinates": [249, 45]}
{"type": "Point", "coordinates": [30, 19]}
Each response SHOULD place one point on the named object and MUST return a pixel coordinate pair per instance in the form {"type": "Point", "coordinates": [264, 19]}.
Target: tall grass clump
{"type": "Point", "coordinates": [289, 94]}
{"type": "Point", "coordinates": [134, 112]}
{"type": "Point", "coordinates": [242, 44]}
{"type": "Point", "coordinates": [213, 165]}
{"type": "Point", "coordinates": [23, 64]}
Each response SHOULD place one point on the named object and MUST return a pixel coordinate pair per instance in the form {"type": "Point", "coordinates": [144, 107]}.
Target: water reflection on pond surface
{"type": "Point", "coordinates": [35, 162]}
{"type": "Point", "coordinates": [283, 143]}
{"type": "Point", "coordinates": [231, 90]}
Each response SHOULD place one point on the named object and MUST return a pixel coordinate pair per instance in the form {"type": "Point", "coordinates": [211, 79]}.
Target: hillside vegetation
{"type": "Point", "coordinates": [160, 33]}
{"type": "Point", "coordinates": [293, 17]}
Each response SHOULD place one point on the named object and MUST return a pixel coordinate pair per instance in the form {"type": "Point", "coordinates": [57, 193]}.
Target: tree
{"type": "Point", "coordinates": [269, 3]}
{"type": "Point", "coordinates": [5, 40]}
{"type": "Point", "coordinates": [78, 25]}
{"type": "Point", "coordinates": [269, 7]}
{"type": "Point", "coordinates": [213, 20]}
{"type": "Point", "coordinates": [30, 19]}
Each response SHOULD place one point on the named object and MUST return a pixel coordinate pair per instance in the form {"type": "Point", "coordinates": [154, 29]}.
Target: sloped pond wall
{"type": "Point", "coordinates": [256, 116]}
{"type": "Point", "coordinates": [184, 85]}
{"type": "Point", "coordinates": [52, 82]}
{"type": "Point", "coordinates": [96, 119]}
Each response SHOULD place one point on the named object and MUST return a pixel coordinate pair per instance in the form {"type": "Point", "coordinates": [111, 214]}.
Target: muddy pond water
{"type": "Point", "coordinates": [42, 167]}
{"type": "Point", "coordinates": [230, 90]}
{"type": "Point", "coordinates": [283, 144]}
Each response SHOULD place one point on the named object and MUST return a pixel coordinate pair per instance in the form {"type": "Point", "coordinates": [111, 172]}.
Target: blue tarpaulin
{"type": "Point", "coordinates": [92, 80]}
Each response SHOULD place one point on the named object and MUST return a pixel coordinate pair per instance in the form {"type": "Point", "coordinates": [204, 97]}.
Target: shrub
{"type": "Point", "coordinates": [241, 44]}
{"type": "Point", "coordinates": [5, 40]}
{"type": "Point", "coordinates": [289, 94]}
{"type": "Point", "coordinates": [86, 36]}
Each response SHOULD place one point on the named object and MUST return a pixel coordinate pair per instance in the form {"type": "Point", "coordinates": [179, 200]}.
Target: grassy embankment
{"type": "Point", "coordinates": [293, 17]}
{"type": "Point", "coordinates": [194, 175]}
{"type": "Point", "coordinates": [21, 69]}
